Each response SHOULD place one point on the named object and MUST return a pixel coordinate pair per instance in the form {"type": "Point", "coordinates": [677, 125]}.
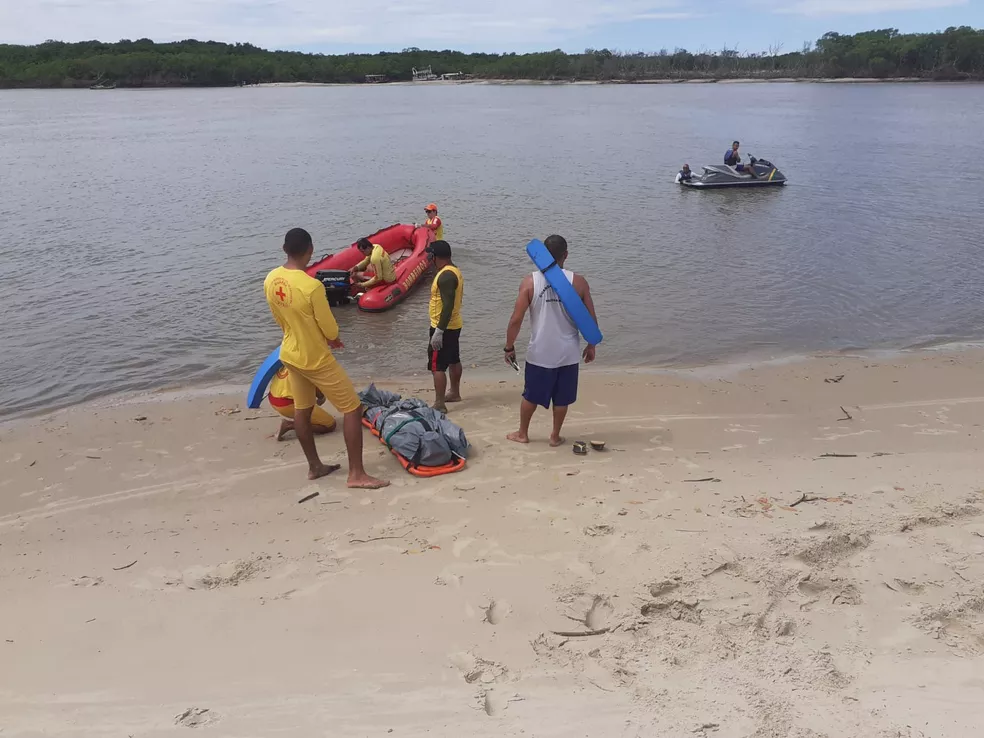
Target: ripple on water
{"type": "Point", "coordinates": [136, 227]}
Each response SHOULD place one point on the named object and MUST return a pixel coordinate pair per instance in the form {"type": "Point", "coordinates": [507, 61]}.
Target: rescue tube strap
{"type": "Point", "coordinates": [397, 429]}
{"type": "Point", "coordinates": [415, 418]}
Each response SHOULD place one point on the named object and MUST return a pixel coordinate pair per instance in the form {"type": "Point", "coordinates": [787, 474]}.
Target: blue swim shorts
{"type": "Point", "coordinates": [544, 386]}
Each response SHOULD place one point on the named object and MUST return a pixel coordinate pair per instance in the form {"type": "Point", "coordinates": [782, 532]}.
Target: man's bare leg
{"type": "Point", "coordinates": [305, 434]}
{"type": "Point", "coordinates": [526, 410]}
{"type": "Point", "coordinates": [352, 431]}
{"type": "Point", "coordinates": [454, 394]}
{"type": "Point", "coordinates": [440, 388]}
{"type": "Point", "coordinates": [559, 414]}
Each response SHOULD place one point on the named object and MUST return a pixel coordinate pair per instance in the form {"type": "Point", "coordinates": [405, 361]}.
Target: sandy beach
{"type": "Point", "coordinates": [791, 550]}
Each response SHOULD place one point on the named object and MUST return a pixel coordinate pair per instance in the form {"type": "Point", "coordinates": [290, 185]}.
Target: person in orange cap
{"type": "Point", "coordinates": [434, 222]}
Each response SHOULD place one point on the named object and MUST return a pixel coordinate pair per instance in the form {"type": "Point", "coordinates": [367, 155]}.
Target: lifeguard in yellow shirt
{"type": "Point", "coordinates": [443, 350]}
{"type": "Point", "coordinates": [376, 268]}
{"type": "Point", "coordinates": [434, 222]}
{"type": "Point", "coordinates": [300, 306]}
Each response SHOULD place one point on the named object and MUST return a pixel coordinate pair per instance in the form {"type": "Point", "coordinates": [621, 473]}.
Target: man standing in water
{"type": "Point", "coordinates": [555, 345]}
{"type": "Point", "coordinates": [443, 354]}
{"type": "Point", "coordinates": [300, 306]}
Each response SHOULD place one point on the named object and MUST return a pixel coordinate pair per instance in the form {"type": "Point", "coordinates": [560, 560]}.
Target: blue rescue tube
{"type": "Point", "coordinates": [565, 291]}
{"type": "Point", "coordinates": [257, 390]}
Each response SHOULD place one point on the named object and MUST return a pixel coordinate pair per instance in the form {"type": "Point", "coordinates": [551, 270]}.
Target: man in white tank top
{"type": "Point", "coordinates": [555, 345]}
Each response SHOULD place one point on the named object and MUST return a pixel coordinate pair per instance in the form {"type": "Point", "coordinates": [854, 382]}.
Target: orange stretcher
{"type": "Point", "coordinates": [455, 465]}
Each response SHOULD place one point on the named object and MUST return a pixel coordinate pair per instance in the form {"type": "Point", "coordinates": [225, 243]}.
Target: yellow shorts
{"type": "Point", "coordinates": [318, 416]}
{"type": "Point", "coordinates": [333, 382]}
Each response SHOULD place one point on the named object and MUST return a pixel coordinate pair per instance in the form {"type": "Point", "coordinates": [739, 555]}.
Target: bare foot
{"type": "Point", "coordinates": [323, 471]}
{"type": "Point", "coordinates": [452, 398]}
{"type": "Point", "coordinates": [366, 482]}
{"type": "Point", "coordinates": [286, 427]}
{"type": "Point", "coordinates": [518, 437]}
{"type": "Point", "coordinates": [556, 441]}
{"type": "Point", "coordinates": [440, 407]}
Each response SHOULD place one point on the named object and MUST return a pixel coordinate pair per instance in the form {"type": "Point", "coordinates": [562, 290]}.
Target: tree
{"type": "Point", "coordinates": [956, 53]}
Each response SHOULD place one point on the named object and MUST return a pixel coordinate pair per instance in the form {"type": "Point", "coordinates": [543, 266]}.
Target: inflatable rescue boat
{"type": "Point", "coordinates": [407, 247]}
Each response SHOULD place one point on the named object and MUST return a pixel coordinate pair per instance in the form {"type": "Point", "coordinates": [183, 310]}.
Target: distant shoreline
{"type": "Point", "coordinates": [592, 82]}
{"type": "Point", "coordinates": [545, 83]}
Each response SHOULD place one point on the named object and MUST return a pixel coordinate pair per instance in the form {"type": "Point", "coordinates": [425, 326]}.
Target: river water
{"type": "Point", "coordinates": [136, 226]}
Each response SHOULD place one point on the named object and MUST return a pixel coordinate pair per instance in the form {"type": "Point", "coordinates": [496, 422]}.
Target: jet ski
{"type": "Point", "coordinates": [718, 176]}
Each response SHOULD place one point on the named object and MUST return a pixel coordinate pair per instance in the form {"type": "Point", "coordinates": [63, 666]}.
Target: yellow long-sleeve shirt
{"type": "Point", "coordinates": [300, 306]}
{"type": "Point", "coordinates": [382, 266]}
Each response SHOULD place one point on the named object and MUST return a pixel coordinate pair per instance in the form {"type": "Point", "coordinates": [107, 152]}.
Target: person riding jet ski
{"type": "Point", "coordinates": [733, 159]}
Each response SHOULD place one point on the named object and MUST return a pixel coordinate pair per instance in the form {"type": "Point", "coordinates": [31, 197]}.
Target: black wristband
{"type": "Point", "coordinates": [510, 350]}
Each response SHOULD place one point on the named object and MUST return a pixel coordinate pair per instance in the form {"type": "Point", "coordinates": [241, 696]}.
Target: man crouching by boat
{"type": "Point", "coordinates": [443, 355]}
{"type": "Point", "coordinates": [300, 306]}
{"type": "Point", "coordinates": [282, 401]}
{"type": "Point", "coordinates": [376, 268]}
{"type": "Point", "coordinates": [555, 345]}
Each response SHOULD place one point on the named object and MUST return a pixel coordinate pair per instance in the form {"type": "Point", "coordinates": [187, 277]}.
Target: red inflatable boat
{"type": "Point", "coordinates": [407, 247]}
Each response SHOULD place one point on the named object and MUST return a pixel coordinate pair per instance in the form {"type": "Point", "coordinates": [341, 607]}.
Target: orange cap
{"type": "Point", "coordinates": [432, 206]}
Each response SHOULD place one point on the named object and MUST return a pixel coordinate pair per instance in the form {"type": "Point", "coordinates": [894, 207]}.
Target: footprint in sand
{"type": "Point", "coordinates": [196, 717]}
{"type": "Point", "coordinates": [663, 437]}
{"type": "Point", "coordinates": [739, 429]}
{"type": "Point", "coordinates": [601, 529]}
{"type": "Point", "coordinates": [447, 579]}
{"type": "Point", "coordinates": [227, 574]}
{"type": "Point", "coordinates": [600, 613]}
{"type": "Point", "coordinates": [476, 670]}
{"type": "Point", "coordinates": [814, 586]}
{"type": "Point", "coordinates": [834, 548]}
{"type": "Point", "coordinates": [494, 703]}
{"type": "Point", "coordinates": [86, 581]}
{"type": "Point", "coordinates": [497, 611]}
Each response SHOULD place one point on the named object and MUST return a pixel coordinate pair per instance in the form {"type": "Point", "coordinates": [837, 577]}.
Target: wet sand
{"type": "Point", "coordinates": [760, 553]}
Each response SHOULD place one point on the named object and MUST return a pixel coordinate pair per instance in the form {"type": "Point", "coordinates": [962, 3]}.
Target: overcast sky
{"type": "Point", "coordinates": [477, 25]}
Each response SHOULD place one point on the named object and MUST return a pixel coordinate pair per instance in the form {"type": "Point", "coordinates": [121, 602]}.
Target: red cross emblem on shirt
{"type": "Point", "coordinates": [281, 294]}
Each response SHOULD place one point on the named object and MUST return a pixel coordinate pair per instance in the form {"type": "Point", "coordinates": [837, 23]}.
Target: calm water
{"type": "Point", "coordinates": [136, 226]}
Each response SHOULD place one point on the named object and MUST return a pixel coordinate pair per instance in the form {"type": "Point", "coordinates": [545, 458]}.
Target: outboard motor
{"type": "Point", "coordinates": [338, 285]}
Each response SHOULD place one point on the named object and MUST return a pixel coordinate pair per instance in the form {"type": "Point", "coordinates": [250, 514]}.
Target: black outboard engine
{"type": "Point", "coordinates": [338, 285]}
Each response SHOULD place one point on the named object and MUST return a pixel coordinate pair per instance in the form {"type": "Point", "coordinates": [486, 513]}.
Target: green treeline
{"type": "Point", "coordinates": [953, 54]}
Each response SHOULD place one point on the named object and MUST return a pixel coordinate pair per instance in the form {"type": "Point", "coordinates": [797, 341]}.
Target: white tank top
{"type": "Point", "coordinates": [554, 340]}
